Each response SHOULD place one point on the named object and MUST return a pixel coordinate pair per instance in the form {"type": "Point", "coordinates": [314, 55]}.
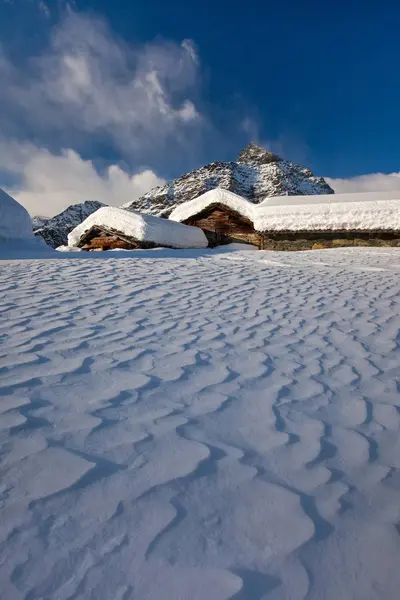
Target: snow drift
{"type": "Point", "coordinates": [144, 228]}
{"type": "Point", "coordinates": [16, 236]}
{"type": "Point", "coordinates": [201, 428]}
{"type": "Point", "coordinates": [15, 222]}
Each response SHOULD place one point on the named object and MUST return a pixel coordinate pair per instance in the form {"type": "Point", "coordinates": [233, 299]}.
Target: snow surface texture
{"type": "Point", "coordinates": [144, 228]}
{"type": "Point", "coordinates": [305, 213]}
{"type": "Point", "coordinates": [256, 174]}
{"type": "Point", "coordinates": [55, 231]}
{"type": "Point", "coordinates": [201, 424]}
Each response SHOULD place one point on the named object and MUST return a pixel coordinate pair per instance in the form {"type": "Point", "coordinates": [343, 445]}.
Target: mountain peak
{"type": "Point", "coordinates": [254, 154]}
{"type": "Point", "coordinates": [256, 175]}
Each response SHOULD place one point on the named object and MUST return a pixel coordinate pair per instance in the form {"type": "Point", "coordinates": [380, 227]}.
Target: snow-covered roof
{"type": "Point", "coordinates": [15, 222]}
{"type": "Point", "coordinates": [349, 212]}
{"type": "Point", "coordinates": [359, 211]}
{"type": "Point", "coordinates": [330, 198]}
{"type": "Point", "coordinates": [144, 228]}
{"type": "Point", "coordinates": [216, 196]}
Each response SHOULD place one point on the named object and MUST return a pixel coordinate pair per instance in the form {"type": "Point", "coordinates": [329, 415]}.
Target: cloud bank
{"type": "Point", "coordinates": [52, 182]}
{"type": "Point", "coordinates": [90, 89]}
{"type": "Point", "coordinates": [88, 81]}
{"type": "Point", "coordinates": [374, 182]}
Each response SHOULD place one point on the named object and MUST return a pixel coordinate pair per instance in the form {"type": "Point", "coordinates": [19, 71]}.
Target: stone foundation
{"type": "Point", "coordinates": [295, 241]}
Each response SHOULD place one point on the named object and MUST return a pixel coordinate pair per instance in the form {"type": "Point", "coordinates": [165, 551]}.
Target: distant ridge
{"type": "Point", "coordinates": [55, 231]}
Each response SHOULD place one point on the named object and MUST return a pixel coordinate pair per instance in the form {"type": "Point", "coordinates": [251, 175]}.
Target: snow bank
{"type": "Point", "coordinates": [360, 211]}
{"type": "Point", "coordinates": [16, 235]}
{"type": "Point", "coordinates": [68, 249]}
{"type": "Point", "coordinates": [15, 222]}
{"type": "Point", "coordinates": [217, 196]}
{"type": "Point", "coordinates": [144, 228]}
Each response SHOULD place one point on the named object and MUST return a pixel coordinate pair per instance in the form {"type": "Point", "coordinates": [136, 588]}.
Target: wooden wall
{"type": "Point", "coordinates": [223, 226]}
{"type": "Point", "coordinates": [99, 238]}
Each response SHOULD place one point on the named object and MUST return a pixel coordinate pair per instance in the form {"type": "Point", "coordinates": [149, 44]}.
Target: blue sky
{"type": "Point", "coordinates": [153, 89]}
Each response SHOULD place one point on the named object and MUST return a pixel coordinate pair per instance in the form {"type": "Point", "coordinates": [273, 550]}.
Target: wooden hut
{"type": "Point", "coordinates": [114, 228]}
{"type": "Point", "coordinates": [328, 221]}
{"type": "Point", "coordinates": [223, 216]}
{"type": "Point", "coordinates": [295, 222]}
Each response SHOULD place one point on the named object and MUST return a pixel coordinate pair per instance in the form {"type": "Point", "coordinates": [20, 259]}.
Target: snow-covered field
{"type": "Point", "coordinates": [200, 425]}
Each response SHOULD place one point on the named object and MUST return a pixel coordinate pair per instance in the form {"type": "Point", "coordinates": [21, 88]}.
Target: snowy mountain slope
{"type": "Point", "coordinates": [39, 221]}
{"type": "Point", "coordinates": [256, 174]}
{"type": "Point", "coordinates": [55, 231]}
{"type": "Point", "coordinates": [144, 228]}
{"type": "Point", "coordinates": [201, 425]}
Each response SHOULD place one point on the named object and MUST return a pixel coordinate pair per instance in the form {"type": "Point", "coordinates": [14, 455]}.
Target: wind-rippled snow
{"type": "Point", "coordinates": [200, 425]}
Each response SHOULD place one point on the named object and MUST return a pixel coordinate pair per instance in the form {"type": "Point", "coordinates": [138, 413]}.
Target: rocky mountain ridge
{"type": "Point", "coordinates": [255, 175]}
{"type": "Point", "coordinates": [39, 221]}
{"type": "Point", "coordinates": [55, 231]}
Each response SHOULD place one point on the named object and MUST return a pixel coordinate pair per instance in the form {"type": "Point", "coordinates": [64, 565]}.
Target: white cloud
{"type": "Point", "coordinates": [50, 183]}
{"type": "Point", "coordinates": [44, 9]}
{"type": "Point", "coordinates": [250, 126]}
{"type": "Point", "coordinates": [88, 81]}
{"type": "Point", "coordinates": [90, 93]}
{"type": "Point", "coordinates": [374, 182]}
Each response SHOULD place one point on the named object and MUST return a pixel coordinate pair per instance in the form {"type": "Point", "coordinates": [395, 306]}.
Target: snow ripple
{"type": "Point", "coordinates": [200, 425]}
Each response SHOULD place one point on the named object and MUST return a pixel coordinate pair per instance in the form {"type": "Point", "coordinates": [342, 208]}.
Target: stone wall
{"type": "Point", "coordinates": [329, 239]}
